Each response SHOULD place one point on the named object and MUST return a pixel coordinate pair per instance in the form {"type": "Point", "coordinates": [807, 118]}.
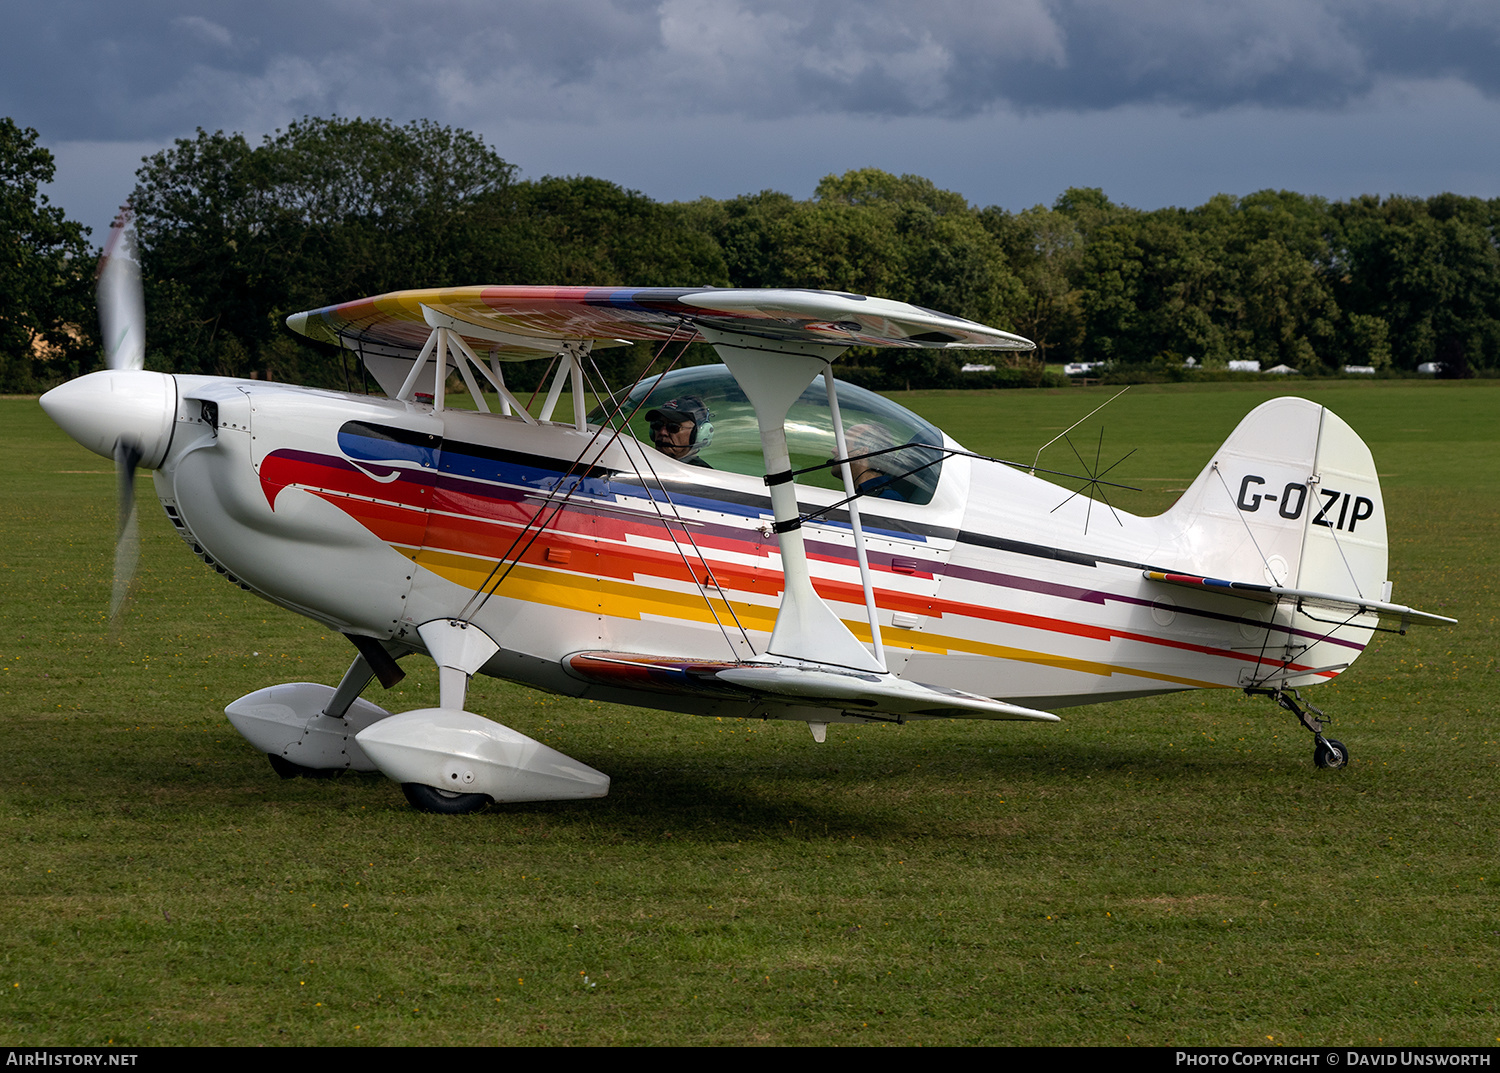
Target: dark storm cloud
{"type": "Point", "coordinates": [1272, 53]}
{"type": "Point", "coordinates": [93, 70]}
{"type": "Point", "coordinates": [90, 70]}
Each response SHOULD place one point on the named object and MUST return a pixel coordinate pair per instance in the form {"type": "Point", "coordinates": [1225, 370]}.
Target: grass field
{"type": "Point", "coordinates": [1165, 871]}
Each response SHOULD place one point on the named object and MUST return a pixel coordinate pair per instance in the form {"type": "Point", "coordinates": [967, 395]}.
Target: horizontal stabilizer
{"type": "Point", "coordinates": [1270, 594]}
{"type": "Point", "coordinates": [817, 687]}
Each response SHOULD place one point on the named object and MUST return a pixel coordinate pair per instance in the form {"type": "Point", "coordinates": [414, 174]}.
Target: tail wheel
{"type": "Point", "coordinates": [445, 802]}
{"type": "Point", "coordinates": [1330, 754]}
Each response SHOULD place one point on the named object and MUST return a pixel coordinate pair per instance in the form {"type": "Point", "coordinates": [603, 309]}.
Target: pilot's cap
{"type": "Point", "coordinates": [690, 408]}
{"type": "Point", "coordinates": [670, 416]}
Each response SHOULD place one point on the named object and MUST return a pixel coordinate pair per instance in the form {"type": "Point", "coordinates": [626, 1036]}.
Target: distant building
{"type": "Point", "coordinates": [1244, 366]}
{"type": "Point", "coordinates": [972, 368]}
{"type": "Point", "coordinates": [1359, 370]}
{"type": "Point", "coordinates": [1283, 370]}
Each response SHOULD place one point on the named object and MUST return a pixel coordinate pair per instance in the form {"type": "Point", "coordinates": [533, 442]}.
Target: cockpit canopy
{"type": "Point", "coordinates": [906, 467]}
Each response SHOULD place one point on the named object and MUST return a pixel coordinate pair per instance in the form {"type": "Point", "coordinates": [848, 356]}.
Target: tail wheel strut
{"type": "Point", "coordinates": [1327, 752]}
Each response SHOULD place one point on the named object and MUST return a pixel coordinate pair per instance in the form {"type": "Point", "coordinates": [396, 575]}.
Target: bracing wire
{"type": "Point", "coordinates": [708, 570]}
{"type": "Point", "coordinates": [944, 452]}
{"type": "Point", "coordinates": [1248, 531]}
{"type": "Point", "coordinates": [1286, 662]}
{"type": "Point", "coordinates": [491, 583]}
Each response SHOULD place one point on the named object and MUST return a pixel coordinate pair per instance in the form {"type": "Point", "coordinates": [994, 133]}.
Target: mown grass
{"type": "Point", "coordinates": [1170, 870]}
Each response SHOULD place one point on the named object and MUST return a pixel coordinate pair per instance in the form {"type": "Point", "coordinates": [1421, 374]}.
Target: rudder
{"type": "Point", "coordinates": [1290, 498]}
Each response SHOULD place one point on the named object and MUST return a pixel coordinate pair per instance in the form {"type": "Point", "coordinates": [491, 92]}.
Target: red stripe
{"type": "Point", "coordinates": [484, 526]}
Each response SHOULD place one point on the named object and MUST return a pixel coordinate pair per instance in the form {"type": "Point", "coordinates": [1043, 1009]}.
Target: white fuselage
{"type": "Point", "coordinates": [374, 516]}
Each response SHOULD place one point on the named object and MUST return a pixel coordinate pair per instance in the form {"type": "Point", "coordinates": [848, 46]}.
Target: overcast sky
{"type": "Point", "coordinates": [1160, 102]}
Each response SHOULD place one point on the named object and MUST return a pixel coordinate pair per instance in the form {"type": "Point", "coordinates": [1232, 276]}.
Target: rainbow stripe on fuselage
{"type": "Point", "coordinates": [606, 542]}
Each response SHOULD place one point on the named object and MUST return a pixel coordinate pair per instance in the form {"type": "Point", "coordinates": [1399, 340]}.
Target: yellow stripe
{"type": "Point", "coordinates": [627, 600]}
{"type": "Point", "coordinates": [600, 596]}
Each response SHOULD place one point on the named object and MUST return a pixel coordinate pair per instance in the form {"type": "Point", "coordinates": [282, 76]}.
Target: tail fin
{"type": "Point", "coordinates": [1292, 499]}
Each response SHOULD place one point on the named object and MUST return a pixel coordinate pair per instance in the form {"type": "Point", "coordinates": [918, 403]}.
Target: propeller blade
{"type": "Point", "coordinates": [122, 309]}
{"type": "Point", "coordinates": [127, 536]}
{"type": "Point", "coordinates": [122, 325]}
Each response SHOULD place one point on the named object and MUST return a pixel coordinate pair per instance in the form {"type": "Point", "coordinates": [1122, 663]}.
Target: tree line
{"type": "Point", "coordinates": [235, 236]}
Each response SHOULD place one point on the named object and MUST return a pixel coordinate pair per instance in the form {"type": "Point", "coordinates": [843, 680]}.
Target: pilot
{"type": "Point", "coordinates": [682, 428]}
{"type": "Point", "coordinates": [873, 476]}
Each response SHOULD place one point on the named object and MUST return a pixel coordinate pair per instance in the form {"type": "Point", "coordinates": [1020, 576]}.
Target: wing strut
{"type": "Point", "coordinates": [773, 374]}
{"type": "Point", "coordinates": [439, 342]}
{"type": "Point", "coordinates": [569, 370]}
{"type": "Point", "coordinates": [853, 507]}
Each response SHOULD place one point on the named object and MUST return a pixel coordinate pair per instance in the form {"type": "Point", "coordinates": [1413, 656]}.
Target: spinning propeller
{"type": "Point", "coordinates": [122, 326]}
{"type": "Point", "coordinates": [122, 309]}
{"type": "Point", "coordinates": [123, 412]}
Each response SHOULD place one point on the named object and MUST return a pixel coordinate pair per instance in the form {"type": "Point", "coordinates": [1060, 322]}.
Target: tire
{"type": "Point", "coordinates": [444, 802]}
{"type": "Point", "coordinates": [1330, 755]}
{"type": "Point", "coordinates": [289, 769]}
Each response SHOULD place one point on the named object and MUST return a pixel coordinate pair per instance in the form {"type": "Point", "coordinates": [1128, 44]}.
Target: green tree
{"type": "Point", "coordinates": [1109, 308]}
{"type": "Point", "coordinates": [1233, 278]}
{"type": "Point", "coordinates": [943, 256]}
{"type": "Point", "coordinates": [1289, 315]}
{"type": "Point", "coordinates": [46, 262]}
{"type": "Point", "coordinates": [581, 231]}
{"type": "Point", "coordinates": [1045, 249]}
{"type": "Point", "coordinates": [585, 231]}
{"type": "Point", "coordinates": [747, 231]}
{"type": "Point", "coordinates": [234, 238]}
{"type": "Point", "coordinates": [1429, 269]}
{"type": "Point", "coordinates": [1275, 304]}
{"type": "Point", "coordinates": [871, 232]}
{"type": "Point", "coordinates": [202, 212]}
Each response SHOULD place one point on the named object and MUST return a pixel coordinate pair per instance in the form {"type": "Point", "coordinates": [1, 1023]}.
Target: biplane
{"type": "Point", "coordinates": [752, 539]}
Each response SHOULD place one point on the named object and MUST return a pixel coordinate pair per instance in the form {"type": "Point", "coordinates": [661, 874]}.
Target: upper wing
{"type": "Point", "coordinates": [1271, 593]}
{"type": "Point", "coordinates": [522, 322]}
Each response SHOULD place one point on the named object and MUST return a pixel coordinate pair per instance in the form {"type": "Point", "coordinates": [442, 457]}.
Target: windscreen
{"type": "Point", "coordinates": [704, 409]}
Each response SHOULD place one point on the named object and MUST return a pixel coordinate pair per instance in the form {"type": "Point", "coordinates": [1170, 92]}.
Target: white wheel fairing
{"type": "Point", "coordinates": [287, 721]}
{"type": "Point", "coordinates": [463, 753]}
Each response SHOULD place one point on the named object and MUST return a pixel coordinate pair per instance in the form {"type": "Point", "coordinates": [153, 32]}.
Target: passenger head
{"type": "Point", "coordinates": [866, 438]}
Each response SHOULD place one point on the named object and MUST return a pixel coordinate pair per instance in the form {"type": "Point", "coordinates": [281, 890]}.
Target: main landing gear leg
{"type": "Point", "coordinates": [356, 678]}
{"type": "Point", "coordinates": [1327, 753]}
{"type": "Point", "coordinates": [308, 730]}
